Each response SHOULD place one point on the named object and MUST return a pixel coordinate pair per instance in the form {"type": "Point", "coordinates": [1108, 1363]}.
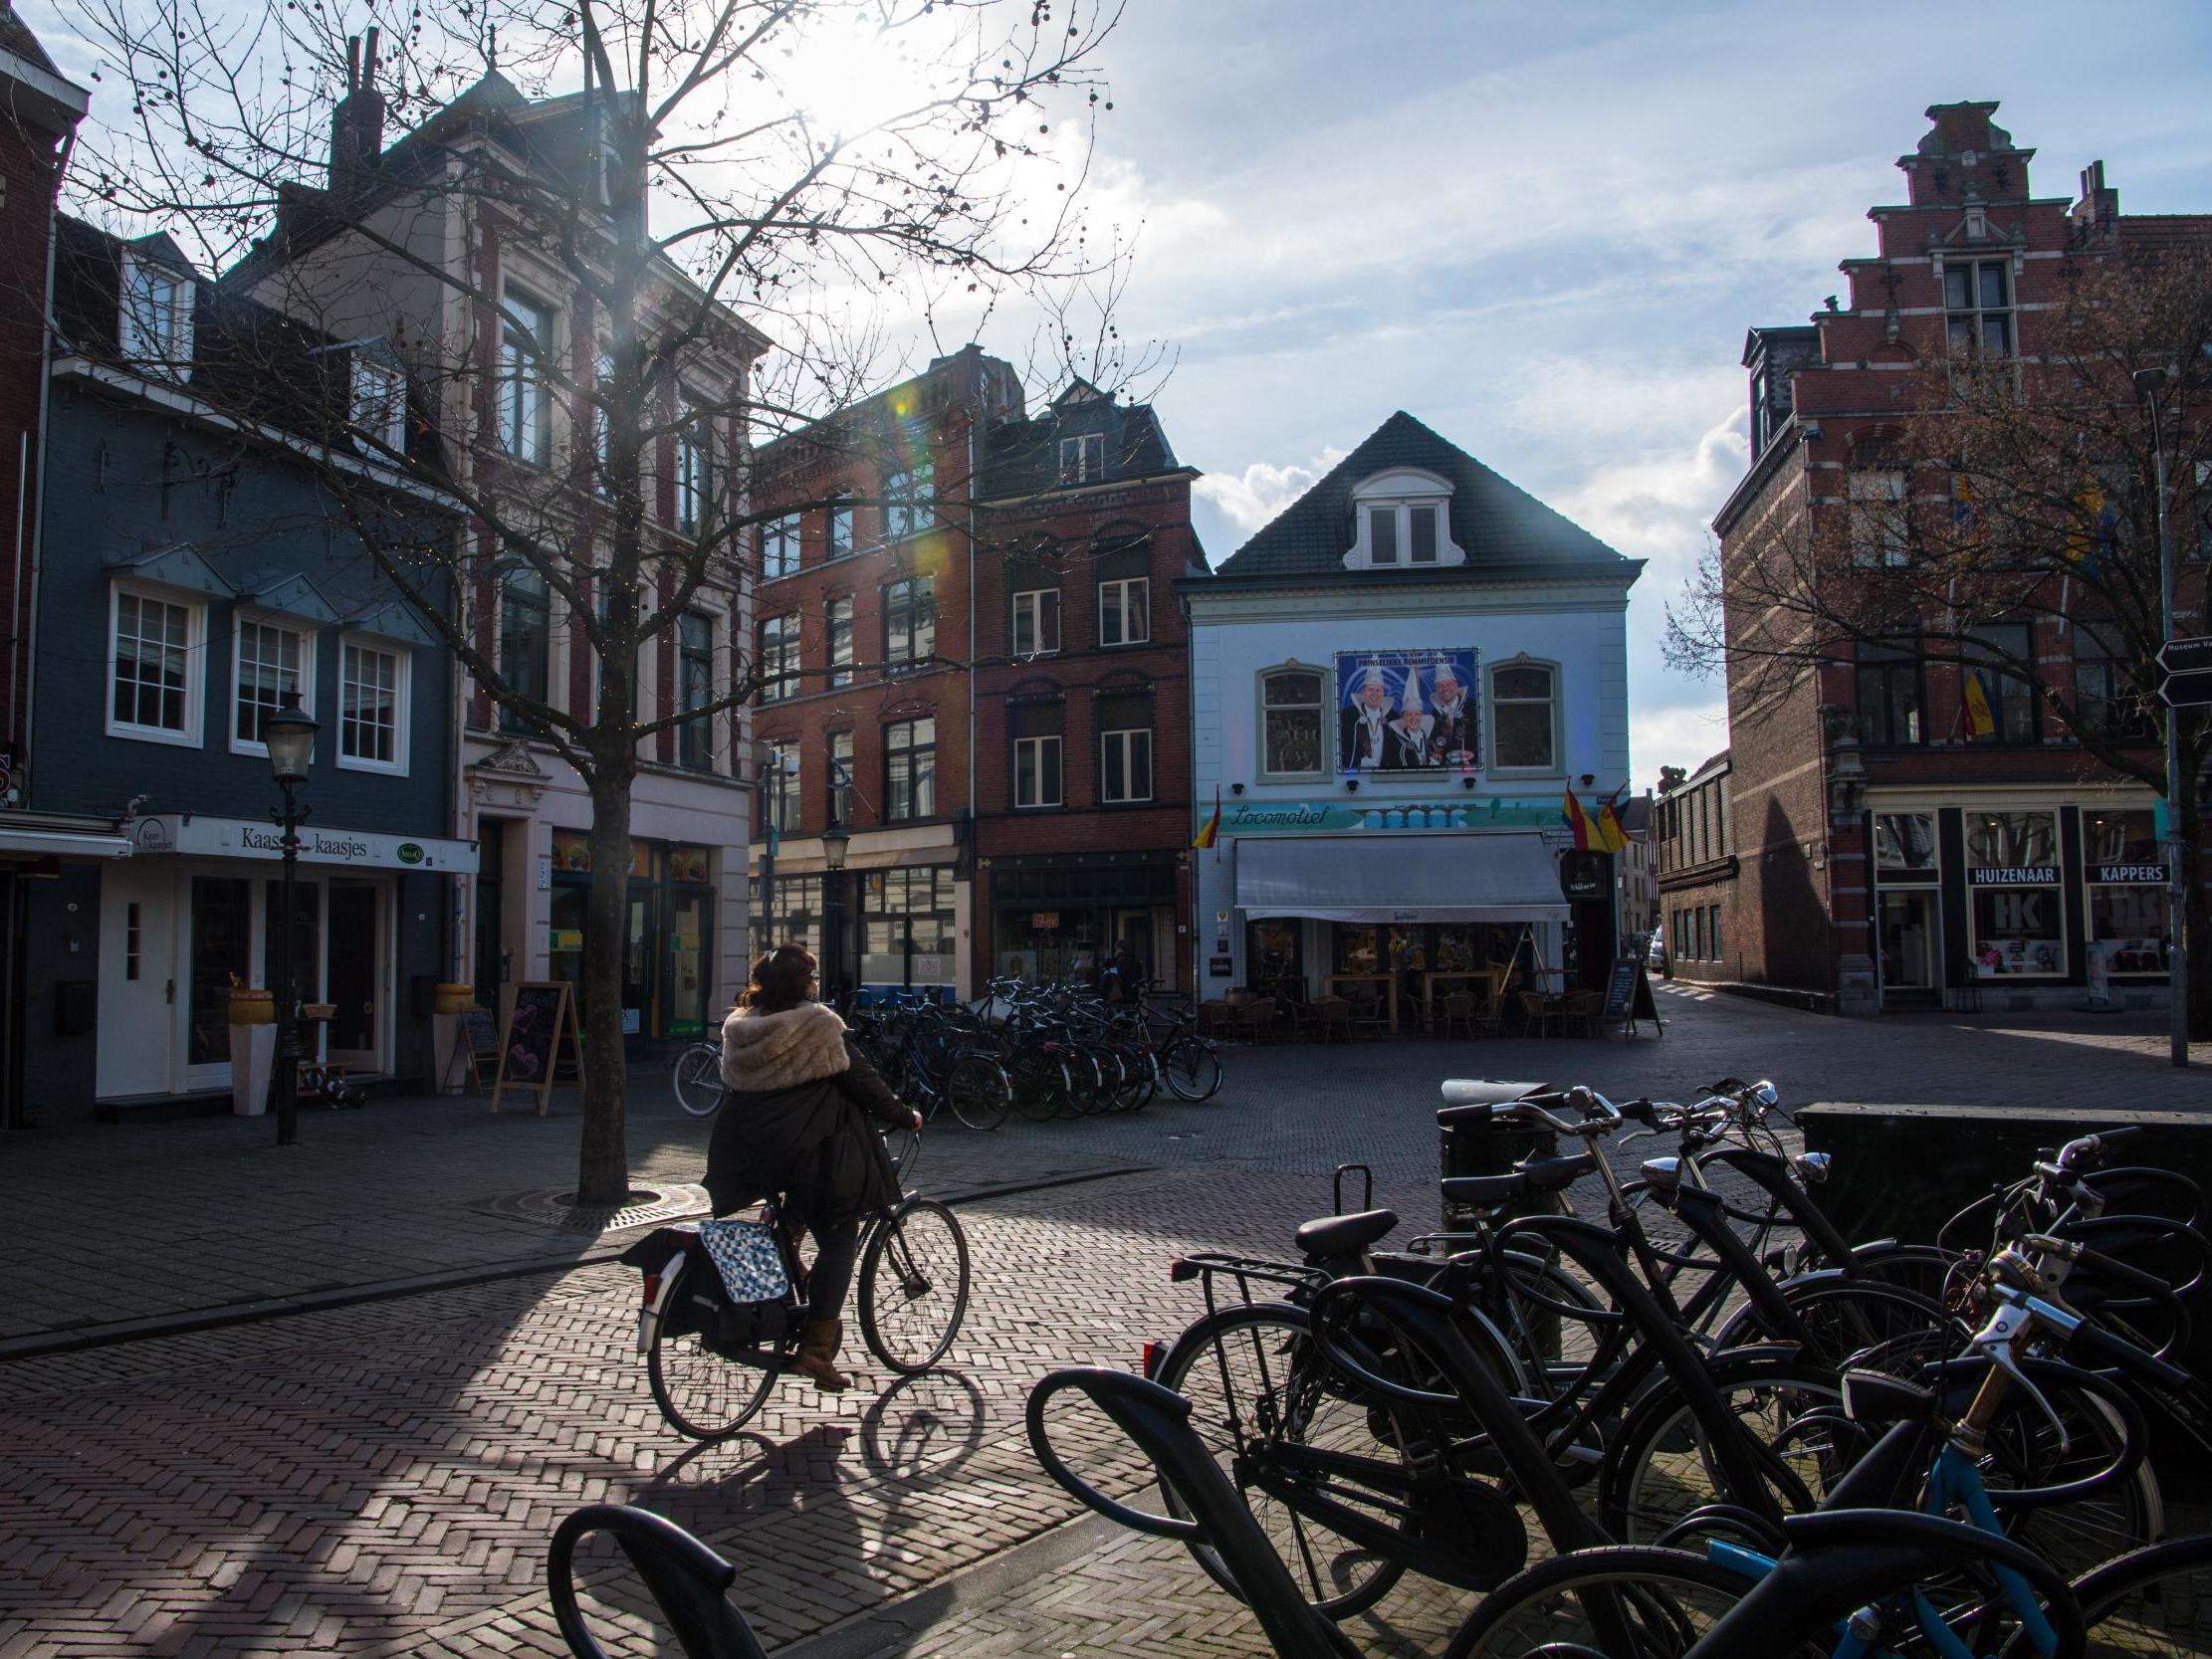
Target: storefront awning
{"type": "Point", "coordinates": [1381, 879]}
{"type": "Point", "coordinates": [15, 843]}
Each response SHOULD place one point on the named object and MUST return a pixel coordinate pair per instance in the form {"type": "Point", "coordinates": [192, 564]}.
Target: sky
{"type": "Point", "coordinates": [1544, 229]}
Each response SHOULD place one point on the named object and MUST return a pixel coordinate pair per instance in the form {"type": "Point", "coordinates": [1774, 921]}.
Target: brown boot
{"type": "Point", "coordinates": [817, 1355]}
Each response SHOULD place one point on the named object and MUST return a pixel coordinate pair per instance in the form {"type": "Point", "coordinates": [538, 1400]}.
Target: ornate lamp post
{"type": "Point", "coordinates": [835, 840]}
{"type": "Point", "coordinates": [290, 735]}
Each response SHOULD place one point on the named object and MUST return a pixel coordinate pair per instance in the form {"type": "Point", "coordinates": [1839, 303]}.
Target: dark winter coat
{"type": "Point", "coordinates": [796, 1123]}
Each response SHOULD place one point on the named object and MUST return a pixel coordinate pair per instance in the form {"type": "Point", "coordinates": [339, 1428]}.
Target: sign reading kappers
{"type": "Point", "coordinates": [1405, 711]}
{"type": "Point", "coordinates": [195, 836]}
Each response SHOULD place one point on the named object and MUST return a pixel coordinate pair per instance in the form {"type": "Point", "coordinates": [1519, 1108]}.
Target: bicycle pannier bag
{"type": "Point", "coordinates": [754, 1281]}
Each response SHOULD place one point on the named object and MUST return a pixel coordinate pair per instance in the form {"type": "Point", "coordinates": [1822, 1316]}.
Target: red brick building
{"type": "Point", "coordinates": [975, 671]}
{"type": "Point", "coordinates": [1887, 851]}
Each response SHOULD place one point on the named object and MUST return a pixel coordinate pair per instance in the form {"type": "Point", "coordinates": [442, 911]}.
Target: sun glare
{"type": "Point", "coordinates": [846, 80]}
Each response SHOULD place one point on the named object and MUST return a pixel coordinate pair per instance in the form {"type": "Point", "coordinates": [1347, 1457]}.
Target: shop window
{"type": "Point", "coordinates": [695, 689]}
{"type": "Point", "coordinates": [2123, 873]}
{"type": "Point", "coordinates": [525, 644]}
{"type": "Point", "coordinates": [2012, 840]}
{"type": "Point", "coordinates": [779, 659]}
{"type": "Point", "coordinates": [1524, 718]}
{"type": "Point", "coordinates": [1878, 518]}
{"type": "Point", "coordinates": [1996, 705]}
{"type": "Point", "coordinates": [2107, 701]}
{"type": "Point", "coordinates": [780, 546]}
{"type": "Point", "coordinates": [791, 915]}
{"type": "Point", "coordinates": [1291, 721]}
{"type": "Point", "coordinates": [839, 777]}
{"type": "Point", "coordinates": [524, 398]}
{"type": "Point", "coordinates": [1977, 307]}
{"type": "Point", "coordinates": [156, 666]}
{"type": "Point", "coordinates": [1036, 622]}
{"type": "Point", "coordinates": [2018, 932]}
{"type": "Point", "coordinates": [1888, 696]}
{"type": "Point", "coordinates": [910, 770]}
{"type": "Point", "coordinates": [839, 614]}
{"type": "Point", "coordinates": [270, 661]}
{"type": "Point", "coordinates": [909, 623]}
{"type": "Point", "coordinates": [1125, 611]}
{"type": "Point", "coordinates": [1904, 845]}
{"type": "Point", "coordinates": [373, 708]}
{"type": "Point", "coordinates": [1359, 949]}
{"type": "Point", "coordinates": [2123, 837]}
{"type": "Point", "coordinates": [1125, 765]}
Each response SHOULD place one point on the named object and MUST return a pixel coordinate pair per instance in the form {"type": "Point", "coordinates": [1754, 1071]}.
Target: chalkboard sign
{"type": "Point", "coordinates": [539, 1015]}
{"type": "Point", "coordinates": [1628, 994]}
{"type": "Point", "coordinates": [475, 1056]}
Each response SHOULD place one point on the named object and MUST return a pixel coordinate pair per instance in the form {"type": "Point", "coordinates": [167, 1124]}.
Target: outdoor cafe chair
{"type": "Point", "coordinates": [1334, 1016]}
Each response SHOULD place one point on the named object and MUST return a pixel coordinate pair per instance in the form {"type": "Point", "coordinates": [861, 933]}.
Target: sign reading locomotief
{"type": "Point", "coordinates": [1405, 711]}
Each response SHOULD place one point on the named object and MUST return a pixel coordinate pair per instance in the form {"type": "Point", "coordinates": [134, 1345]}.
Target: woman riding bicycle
{"type": "Point", "coordinates": [796, 1127]}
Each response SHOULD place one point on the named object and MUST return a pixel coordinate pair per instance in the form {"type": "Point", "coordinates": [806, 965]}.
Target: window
{"type": "Point", "coordinates": [1037, 771]}
{"type": "Point", "coordinates": [779, 658]}
{"type": "Point", "coordinates": [695, 689]}
{"type": "Point", "coordinates": [1713, 934]}
{"type": "Point", "coordinates": [1400, 518]}
{"type": "Point", "coordinates": [1522, 734]}
{"type": "Point", "coordinates": [694, 467]}
{"type": "Point", "coordinates": [2123, 869]}
{"type": "Point", "coordinates": [1888, 696]}
{"type": "Point", "coordinates": [1125, 611]}
{"type": "Point", "coordinates": [910, 770]}
{"type": "Point", "coordinates": [780, 798]}
{"type": "Point", "coordinates": [1977, 302]}
{"type": "Point", "coordinates": [1382, 535]}
{"type": "Point", "coordinates": [380, 400]}
{"type": "Point", "coordinates": [1291, 721]}
{"type": "Point", "coordinates": [271, 660]}
{"type": "Point", "coordinates": [155, 690]}
{"type": "Point", "coordinates": [840, 777]}
{"type": "Point", "coordinates": [1083, 459]}
{"type": "Point", "coordinates": [780, 546]}
{"type": "Point", "coordinates": [1125, 764]}
{"type": "Point", "coordinates": [1996, 707]}
{"type": "Point", "coordinates": [1421, 546]}
{"type": "Point", "coordinates": [1881, 530]}
{"type": "Point", "coordinates": [839, 612]}
{"type": "Point", "coordinates": [2106, 701]}
{"type": "Point", "coordinates": [1697, 931]}
{"type": "Point", "coordinates": [525, 406]}
{"type": "Point", "coordinates": [909, 623]}
{"type": "Point", "coordinates": [603, 424]}
{"type": "Point", "coordinates": [840, 529]}
{"type": "Point", "coordinates": [372, 708]}
{"type": "Point", "coordinates": [524, 642]}
{"type": "Point", "coordinates": [1904, 845]}
{"type": "Point", "coordinates": [157, 317]}
{"type": "Point", "coordinates": [1036, 622]}
{"type": "Point", "coordinates": [907, 509]}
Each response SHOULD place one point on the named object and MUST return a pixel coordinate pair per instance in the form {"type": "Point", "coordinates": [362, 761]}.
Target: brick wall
{"type": "Point", "coordinates": [27, 158]}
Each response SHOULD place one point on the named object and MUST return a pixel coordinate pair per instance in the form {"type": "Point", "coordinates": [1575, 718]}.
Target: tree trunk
{"type": "Point", "coordinates": [603, 1177]}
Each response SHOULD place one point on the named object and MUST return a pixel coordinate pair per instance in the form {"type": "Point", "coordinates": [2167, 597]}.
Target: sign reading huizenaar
{"type": "Point", "coordinates": [2034, 875]}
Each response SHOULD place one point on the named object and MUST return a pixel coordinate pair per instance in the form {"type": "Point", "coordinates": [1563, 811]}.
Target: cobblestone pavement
{"type": "Point", "coordinates": [381, 1479]}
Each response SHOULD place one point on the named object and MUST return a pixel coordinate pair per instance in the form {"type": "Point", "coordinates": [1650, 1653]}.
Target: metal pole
{"type": "Point", "coordinates": [2177, 890]}
{"type": "Point", "coordinates": [286, 1084]}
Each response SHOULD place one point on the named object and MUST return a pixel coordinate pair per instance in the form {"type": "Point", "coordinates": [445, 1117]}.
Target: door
{"type": "Point", "coordinates": [640, 959]}
{"type": "Point", "coordinates": [218, 950]}
{"type": "Point", "coordinates": [360, 970]}
{"type": "Point", "coordinates": [143, 997]}
{"type": "Point", "coordinates": [307, 951]}
{"type": "Point", "coordinates": [1909, 947]}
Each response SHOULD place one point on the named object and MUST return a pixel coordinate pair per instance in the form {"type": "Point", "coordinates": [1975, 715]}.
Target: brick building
{"type": "Point", "coordinates": [1694, 835]}
{"type": "Point", "coordinates": [975, 673]}
{"type": "Point", "coordinates": [1889, 850]}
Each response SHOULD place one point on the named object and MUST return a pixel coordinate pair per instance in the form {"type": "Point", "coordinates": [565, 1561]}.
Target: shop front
{"type": "Point", "coordinates": [667, 937]}
{"type": "Point", "coordinates": [196, 909]}
{"type": "Point", "coordinates": [1061, 917]}
{"type": "Point", "coordinates": [885, 926]}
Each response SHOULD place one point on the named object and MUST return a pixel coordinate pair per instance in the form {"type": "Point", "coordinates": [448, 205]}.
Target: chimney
{"type": "Point", "coordinates": [357, 123]}
{"type": "Point", "coordinates": [2099, 203]}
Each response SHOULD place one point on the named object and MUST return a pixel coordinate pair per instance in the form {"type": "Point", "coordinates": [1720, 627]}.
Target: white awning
{"type": "Point", "coordinates": [61, 844]}
{"type": "Point", "coordinates": [1400, 878]}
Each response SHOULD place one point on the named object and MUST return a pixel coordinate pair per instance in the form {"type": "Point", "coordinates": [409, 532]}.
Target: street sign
{"type": "Point", "coordinates": [2188, 667]}
{"type": "Point", "coordinates": [2186, 691]}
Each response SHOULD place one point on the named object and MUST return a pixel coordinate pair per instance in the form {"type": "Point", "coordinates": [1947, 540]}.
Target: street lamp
{"type": "Point", "coordinates": [290, 737]}
{"type": "Point", "coordinates": [835, 840]}
{"type": "Point", "coordinates": [2149, 382]}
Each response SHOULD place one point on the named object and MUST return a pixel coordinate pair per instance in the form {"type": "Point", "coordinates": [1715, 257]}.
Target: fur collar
{"type": "Point", "coordinates": [766, 1052]}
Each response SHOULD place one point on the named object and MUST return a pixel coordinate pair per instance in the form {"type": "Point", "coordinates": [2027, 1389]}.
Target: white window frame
{"type": "Point", "coordinates": [783, 535]}
{"type": "Point", "coordinates": [403, 660]}
{"type": "Point", "coordinates": [1106, 744]}
{"type": "Point", "coordinates": [779, 681]}
{"type": "Point", "coordinates": [695, 465]}
{"type": "Point", "coordinates": [195, 668]}
{"type": "Point", "coordinates": [1083, 458]}
{"type": "Point", "coordinates": [1877, 514]}
{"type": "Point", "coordinates": [1393, 496]}
{"type": "Point", "coordinates": [1036, 611]}
{"type": "Point", "coordinates": [379, 394]}
{"type": "Point", "coordinates": [1492, 722]}
{"type": "Point", "coordinates": [1974, 317]}
{"type": "Point", "coordinates": [154, 329]}
{"type": "Point", "coordinates": [1059, 753]}
{"type": "Point", "coordinates": [276, 623]}
{"type": "Point", "coordinates": [1320, 708]}
{"type": "Point", "coordinates": [1124, 590]}
{"type": "Point", "coordinates": [524, 410]}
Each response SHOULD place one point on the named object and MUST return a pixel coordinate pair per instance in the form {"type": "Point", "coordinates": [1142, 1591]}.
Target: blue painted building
{"type": "Point", "coordinates": [198, 567]}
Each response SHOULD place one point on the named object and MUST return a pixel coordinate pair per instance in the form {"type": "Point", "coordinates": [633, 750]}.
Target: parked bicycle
{"type": "Point", "coordinates": [698, 1078]}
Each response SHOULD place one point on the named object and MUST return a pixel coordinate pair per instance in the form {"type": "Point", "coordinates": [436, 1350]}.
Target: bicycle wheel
{"type": "Point", "coordinates": [699, 1078]}
{"type": "Point", "coordinates": [914, 1285]}
{"type": "Point", "coordinates": [1856, 1323]}
{"type": "Point", "coordinates": [1191, 1069]}
{"type": "Point", "coordinates": [1664, 1599]}
{"type": "Point", "coordinates": [2153, 1604]}
{"type": "Point", "coordinates": [1252, 1375]}
{"type": "Point", "coordinates": [1041, 1086]}
{"type": "Point", "coordinates": [978, 1092]}
{"type": "Point", "coordinates": [703, 1395]}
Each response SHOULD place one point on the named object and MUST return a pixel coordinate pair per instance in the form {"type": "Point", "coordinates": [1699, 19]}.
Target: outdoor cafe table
{"type": "Point", "coordinates": [1388, 982]}
{"type": "Point", "coordinates": [1438, 982]}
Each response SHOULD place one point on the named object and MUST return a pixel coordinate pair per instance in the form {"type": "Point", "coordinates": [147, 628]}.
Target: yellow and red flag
{"type": "Point", "coordinates": [1980, 720]}
{"type": "Point", "coordinates": [1611, 836]}
{"type": "Point", "coordinates": [1576, 819]}
{"type": "Point", "coordinates": [1213, 826]}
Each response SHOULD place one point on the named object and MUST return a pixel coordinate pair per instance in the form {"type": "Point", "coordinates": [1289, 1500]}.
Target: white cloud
{"type": "Point", "coordinates": [1250, 498]}
{"type": "Point", "coordinates": [1675, 736]}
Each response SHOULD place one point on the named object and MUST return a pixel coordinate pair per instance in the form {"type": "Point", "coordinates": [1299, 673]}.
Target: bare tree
{"type": "Point", "coordinates": [2031, 498]}
{"type": "Point", "coordinates": [727, 208]}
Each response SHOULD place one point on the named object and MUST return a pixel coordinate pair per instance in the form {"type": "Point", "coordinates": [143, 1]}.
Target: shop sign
{"type": "Point", "coordinates": [565, 938]}
{"type": "Point", "coordinates": [193, 834]}
{"type": "Point", "coordinates": [2129, 875]}
{"type": "Point", "coordinates": [1398, 817]}
{"type": "Point", "coordinates": [1045, 922]}
{"type": "Point", "coordinates": [1219, 967]}
{"type": "Point", "coordinates": [929, 967]}
{"type": "Point", "coordinates": [1582, 875]}
{"type": "Point", "coordinates": [2032, 875]}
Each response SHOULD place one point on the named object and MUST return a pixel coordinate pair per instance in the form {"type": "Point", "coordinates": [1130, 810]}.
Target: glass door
{"type": "Point", "coordinates": [358, 975]}
{"type": "Point", "coordinates": [307, 951]}
{"type": "Point", "coordinates": [640, 941]}
{"type": "Point", "coordinates": [222, 926]}
{"type": "Point", "coordinates": [689, 926]}
{"type": "Point", "coordinates": [1908, 952]}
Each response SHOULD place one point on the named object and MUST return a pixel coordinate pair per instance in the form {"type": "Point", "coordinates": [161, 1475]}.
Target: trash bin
{"type": "Point", "coordinates": [1475, 1144]}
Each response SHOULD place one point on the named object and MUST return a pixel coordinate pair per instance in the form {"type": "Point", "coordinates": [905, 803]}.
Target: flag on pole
{"type": "Point", "coordinates": [1611, 836]}
{"type": "Point", "coordinates": [1980, 720]}
{"type": "Point", "coordinates": [1572, 814]}
{"type": "Point", "coordinates": [1213, 828]}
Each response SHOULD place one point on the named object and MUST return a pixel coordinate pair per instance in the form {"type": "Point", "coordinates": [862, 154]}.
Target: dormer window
{"type": "Point", "coordinates": [1402, 520]}
{"type": "Point", "coordinates": [157, 321]}
{"type": "Point", "coordinates": [1083, 459]}
{"type": "Point", "coordinates": [379, 402]}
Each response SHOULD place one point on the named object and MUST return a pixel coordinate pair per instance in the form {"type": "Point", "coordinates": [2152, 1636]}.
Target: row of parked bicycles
{"type": "Point", "coordinates": [1043, 1050]}
{"type": "Point", "coordinates": [1693, 1422]}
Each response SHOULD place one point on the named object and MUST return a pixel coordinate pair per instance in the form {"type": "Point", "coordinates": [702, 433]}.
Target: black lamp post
{"type": "Point", "coordinates": [835, 840]}
{"type": "Point", "coordinates": [290, 735]}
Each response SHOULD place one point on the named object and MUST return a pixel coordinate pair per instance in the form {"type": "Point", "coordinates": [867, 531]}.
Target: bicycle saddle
{"type": "Point", "coordinates": [1537, 1175]}
{"type": "Point", "coordinates": [1874, 1399]}
{"type": "Point", "coordinates": [1343, 1235]}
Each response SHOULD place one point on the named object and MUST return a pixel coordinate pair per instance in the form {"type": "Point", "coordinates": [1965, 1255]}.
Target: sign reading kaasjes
{"type": "Point", "coordinates": [1407, 711]}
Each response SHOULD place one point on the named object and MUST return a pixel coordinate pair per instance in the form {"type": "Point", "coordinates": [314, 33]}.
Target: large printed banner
{"type": "Point", "coordinates": [1405, 711]}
